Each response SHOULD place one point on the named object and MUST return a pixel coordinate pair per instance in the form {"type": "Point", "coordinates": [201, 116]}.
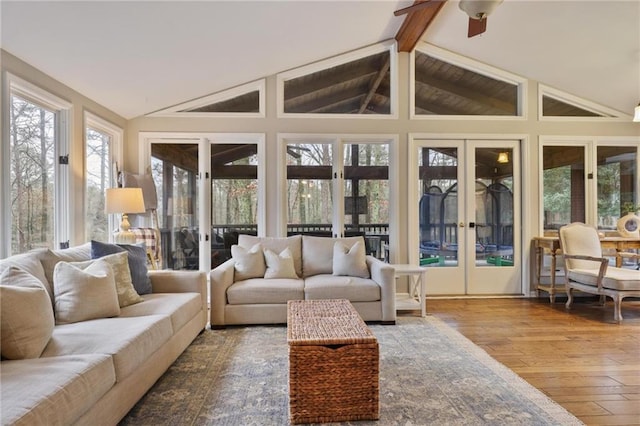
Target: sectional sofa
{"type": "Point", "coordinates": [73, 354]}
{"type": "Point", "coordinates": [253, 287]}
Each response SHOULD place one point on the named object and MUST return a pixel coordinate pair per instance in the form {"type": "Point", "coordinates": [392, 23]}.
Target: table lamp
{"type": "Point", "coordinates": [124, 200]}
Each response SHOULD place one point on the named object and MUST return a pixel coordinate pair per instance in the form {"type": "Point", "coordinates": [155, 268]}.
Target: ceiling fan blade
{"type": "Point", "coordinates": [414, 7]}
{"type": "Point", "coordinates": [476, 26]}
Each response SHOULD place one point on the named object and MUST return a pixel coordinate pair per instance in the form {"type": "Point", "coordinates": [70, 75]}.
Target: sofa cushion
{"type": "Point", "coordinates": [131, 341]}
{"type": "Point", "coordinates": [50, 258]}
{"type": "Point", "coordinates": [353, 289]}
{"type": "Point", "coordinates": [615, 278]}
{"type": "Point", "coordinates": [317, 253]}
{"type": "Point", "coordinates": [46, 391]}
{"type": "Point", "coordinates": [119, 263]}
{"type": "Point", "coordinates": [248, 263]}
{"type": "Point", "coordinates": [26, 315]}
{"type": "Point", "coordinates": [260, 291]}
{"type": "Point", "coordinates": [276, 245]}
{"type": "Point", "coordinates": [350, 261]}
{"type": "Point", "coordinates": [29, 262]}
{"type": "Point", "coordinates": [84, 292]}
{"type": "Point", "coordinates": [279, 265]}
{"type": "Point", "coordinates": [137, 262]}
{"type": "Point", "coordinates": [181, 307]}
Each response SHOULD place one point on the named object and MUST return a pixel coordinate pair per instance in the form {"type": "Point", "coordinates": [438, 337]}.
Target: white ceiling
{"type": "Point", "coordinates": [139, 57]}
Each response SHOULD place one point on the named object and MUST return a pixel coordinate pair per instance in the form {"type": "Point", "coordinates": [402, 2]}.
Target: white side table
{"type": "Point", "coordinates": [417, 288]}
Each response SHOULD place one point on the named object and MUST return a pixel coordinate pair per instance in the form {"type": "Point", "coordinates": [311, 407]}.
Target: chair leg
{"type": "Point", "coordinates": [603, 300]}
{"type": "Point", "coordinates": [569, 297]}
{"type": "Point", "coordinates": [617, 308]}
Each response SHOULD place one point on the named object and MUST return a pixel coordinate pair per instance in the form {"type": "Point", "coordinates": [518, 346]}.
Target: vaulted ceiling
{"type": "Point", "coordinates": [140, 57]}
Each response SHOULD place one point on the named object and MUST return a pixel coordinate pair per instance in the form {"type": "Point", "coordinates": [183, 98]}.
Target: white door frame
{"type": "Point", "coordinates": [415, 140]}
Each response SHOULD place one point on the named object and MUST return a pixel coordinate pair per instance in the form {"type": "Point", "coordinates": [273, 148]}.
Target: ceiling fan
{"type": "Point", "coordinates": [478, 11]}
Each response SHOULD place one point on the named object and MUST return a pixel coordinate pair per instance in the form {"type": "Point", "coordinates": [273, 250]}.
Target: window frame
{"type": "Point", "coordinates": [474, 66]}
{"type": "Point", "coordinates": [177, 110]}
{"type": "Point", "coordinates": [590, 145]}
{"type": "Point", "coordinates": [63, 111]}
{"type": "Point", "coordinates": [608, 114]}
{"type": "Point", "coordinates": [338, 142]}
{"type": "Point", "coordinates": [116, 134]}
{"type": "Point", "coordinates": [389, 45]}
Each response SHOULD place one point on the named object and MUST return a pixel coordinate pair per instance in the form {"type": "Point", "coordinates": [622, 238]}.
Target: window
{"type": "Point", "coordinates": [35, 168]}
{"type": "Point", "coordinates": [590, 181]}
{"type": "Point", "coordinates": [361, 83]}
{"type": "Point", "coordinates": [554, 104]}
{"type": "Point", "coordinates": [247, 100]}
{"type": "Point", "coordinates": [102, 146]}
{"type": "Point", "coordinates": [445, 84]}
{"type": "Point", "coordinates": [339, 186]}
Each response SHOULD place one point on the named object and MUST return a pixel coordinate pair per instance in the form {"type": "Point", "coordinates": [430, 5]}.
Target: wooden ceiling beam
{"type": "Point", "coordinates": [374, 86]}
{"type": "Point", "coordinates": [416, 23]}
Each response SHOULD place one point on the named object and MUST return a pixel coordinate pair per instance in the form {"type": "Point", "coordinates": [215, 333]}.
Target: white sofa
{"type": "Point", "coordinates": [93, 372]}
{"type": "Point", "coordinates": [260, 300]}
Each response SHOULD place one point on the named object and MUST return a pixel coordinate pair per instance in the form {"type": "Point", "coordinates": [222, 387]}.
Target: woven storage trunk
{"type": "Point", "coordinates": [333, 363]}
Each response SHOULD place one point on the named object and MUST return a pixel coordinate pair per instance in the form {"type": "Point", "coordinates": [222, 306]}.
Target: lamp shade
{"type": "Point", "coordinates": [636, 116]}
{"type": "Point", "coordinates": [124, 200]}
{"type": "Point", "coordinates": [503, 157]}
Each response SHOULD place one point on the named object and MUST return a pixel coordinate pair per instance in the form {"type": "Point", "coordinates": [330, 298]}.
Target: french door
{"type": "Point", "coordinates": [210, 188]}
{"type": "Point", "coordinates": [467, 198]}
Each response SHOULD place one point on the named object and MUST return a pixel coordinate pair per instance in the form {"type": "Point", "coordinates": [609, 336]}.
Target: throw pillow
{"type": "Point", "coordinates": [248, 263]}
{"type": "Point", "coordinates": [26, 319]}
{"type": "Point", "coordinates": [279, 265]}
{"type": "Point", "coordinates": [84, 294]}
{"type": "Point", "coordinates": [350, 261]}
{"type": "Point", "coordinates": [137, 262]}
{"type": "Point", "coordinates": [119, 263]}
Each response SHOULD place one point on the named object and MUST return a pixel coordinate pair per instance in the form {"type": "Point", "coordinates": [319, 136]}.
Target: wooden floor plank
{"type": "Point", "coordinates": [580, 358]}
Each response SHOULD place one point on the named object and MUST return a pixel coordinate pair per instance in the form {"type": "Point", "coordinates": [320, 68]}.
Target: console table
{"type": "Point", "coordinates": [552, 244]}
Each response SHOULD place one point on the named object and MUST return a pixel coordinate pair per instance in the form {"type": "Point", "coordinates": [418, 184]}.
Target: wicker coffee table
{"type": "Point", "coordinates": [333, 363]}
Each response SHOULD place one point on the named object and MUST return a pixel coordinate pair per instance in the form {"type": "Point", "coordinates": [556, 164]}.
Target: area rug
{"type": "Point", "coordinates": [429, 375]}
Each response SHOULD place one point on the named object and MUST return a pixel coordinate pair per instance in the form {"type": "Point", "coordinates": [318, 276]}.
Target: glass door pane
{"type": "Point", "coordinates": [438, 209]}
{"type": "Point", "coordinates": [32, 169]}
{"type": "Point", "coordinates": [309, 189]}
{"type": "Point", "coordinates": [366, 194]}
{"type": "Point", "coordinates": [617, 179]}
{"type": "Point", "coordinates": [563, 186]}
{"type": "Point", "coordinates": [494, 207]}
{"type": "Point", "coordinates": [441, 243]}
{"type": "Point", "coordinates": [493, 212]}
{"type": "Point", "coordinates": [175, 169]}
{"type": "Point", "coordinates": [234, 196]}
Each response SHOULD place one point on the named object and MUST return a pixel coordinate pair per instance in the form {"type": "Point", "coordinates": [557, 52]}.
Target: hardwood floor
{"type": "Point", "coordinates": [581, 359]}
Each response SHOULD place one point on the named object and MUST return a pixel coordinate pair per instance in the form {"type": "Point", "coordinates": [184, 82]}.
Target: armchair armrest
{"type": "Point", "coordinates": [220, 279]}
{"type": "Point", "coordinates": [604, 263]}
{"type": "Point", "coordinates": [384, 274]}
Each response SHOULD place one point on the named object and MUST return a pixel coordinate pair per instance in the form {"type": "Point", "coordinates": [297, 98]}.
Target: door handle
{"type": "Point", "coordinates": [472, 224]}
{"type": "Point", "coordinates": [461, 224]}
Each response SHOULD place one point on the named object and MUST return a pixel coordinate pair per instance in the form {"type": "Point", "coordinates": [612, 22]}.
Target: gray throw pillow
{"type": "Point", "coordinates": [137, 262]}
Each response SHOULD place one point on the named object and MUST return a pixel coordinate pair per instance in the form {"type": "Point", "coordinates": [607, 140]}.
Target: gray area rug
{"type": "Point", "coordinates": [429, 375]}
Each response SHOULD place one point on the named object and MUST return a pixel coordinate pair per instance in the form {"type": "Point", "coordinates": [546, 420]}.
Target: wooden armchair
{"type": "Point", "coordinates": [588, 271]}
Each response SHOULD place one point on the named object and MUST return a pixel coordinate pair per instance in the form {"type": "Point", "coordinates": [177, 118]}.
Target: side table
{"type": "Point", "coordinates": [417, 288]}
